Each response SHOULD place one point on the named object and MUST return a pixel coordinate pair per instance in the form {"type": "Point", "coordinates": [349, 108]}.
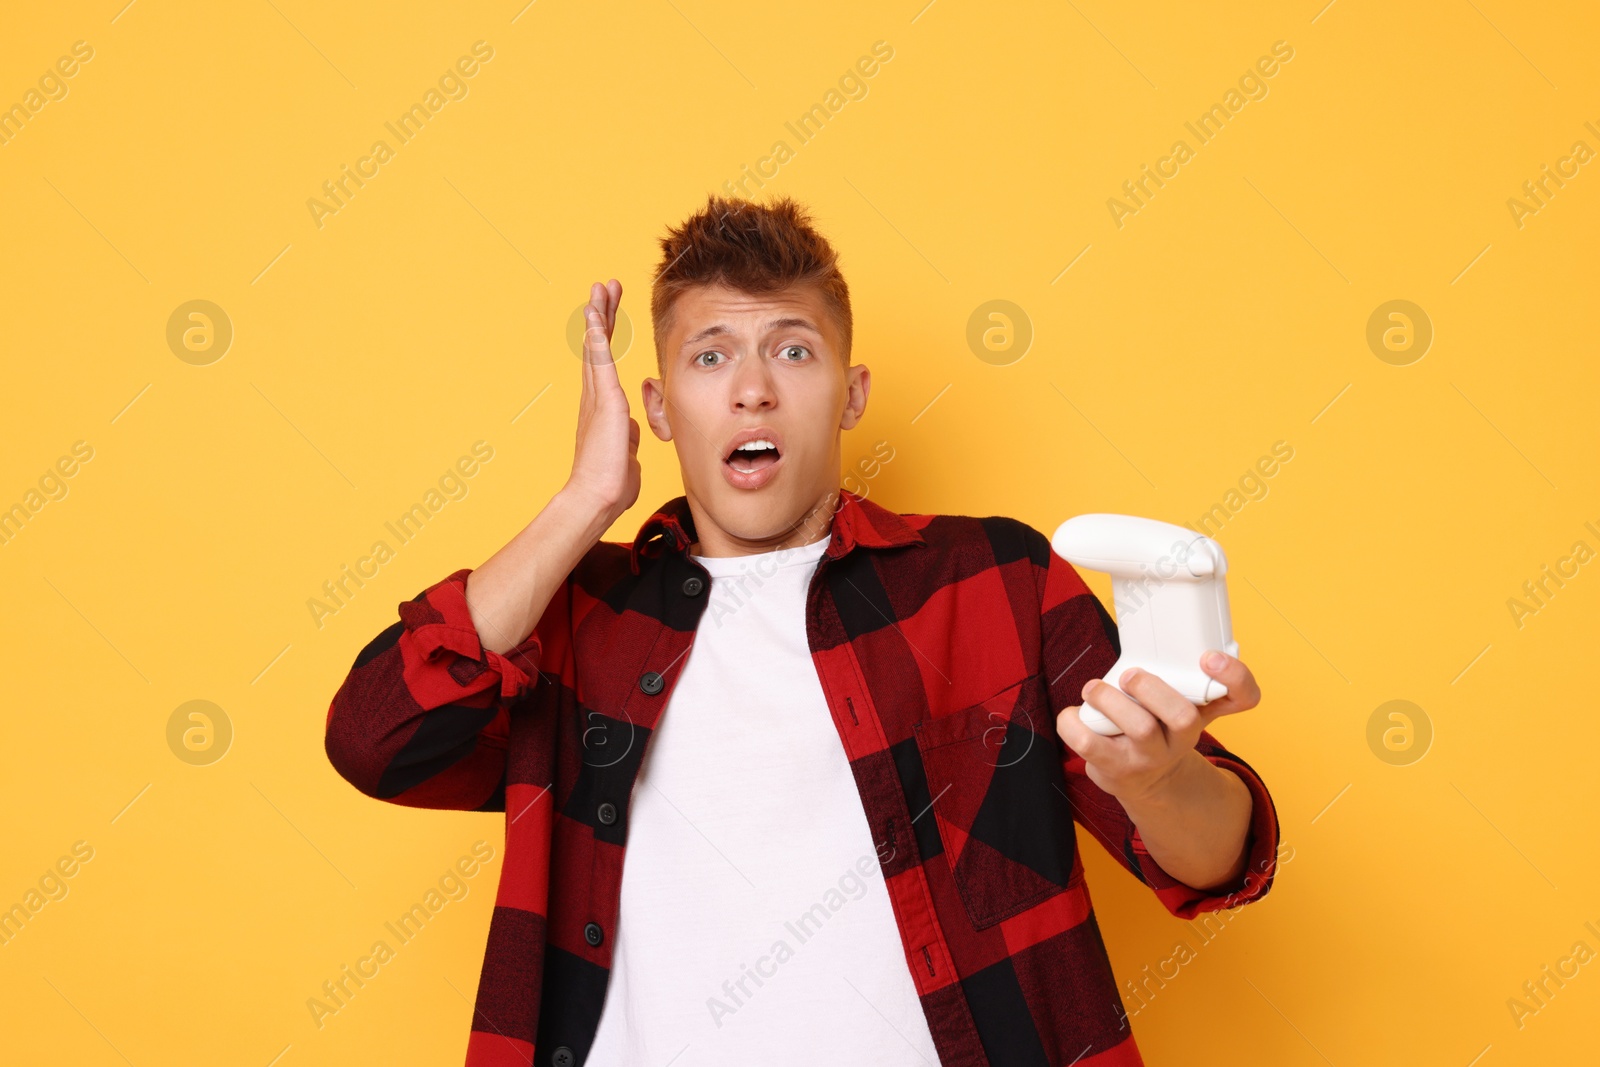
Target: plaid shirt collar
{"type": "Point", "coordinates": [856, 521]}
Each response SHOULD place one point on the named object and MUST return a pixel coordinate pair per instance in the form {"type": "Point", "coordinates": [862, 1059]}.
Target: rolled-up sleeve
{"type": "Point", "coordinates": [440, 622]}
{"type": "Point", "coordinates": [421, 718]}
{"type": "Point", "coordinates": [1261, 848]}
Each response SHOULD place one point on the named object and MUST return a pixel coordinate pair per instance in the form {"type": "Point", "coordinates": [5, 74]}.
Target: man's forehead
{"type": "Point", "coordinates": [711, 300]}
{"type": "Point", "coordinates": [711, 310]}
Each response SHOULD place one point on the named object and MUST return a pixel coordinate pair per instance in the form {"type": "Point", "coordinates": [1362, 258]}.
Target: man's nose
{"type": "Point", "coordinates": [753, 385]}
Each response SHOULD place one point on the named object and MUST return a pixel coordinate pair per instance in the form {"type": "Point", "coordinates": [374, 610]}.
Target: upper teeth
{"type": "Point", "coordinates": [756, 445]}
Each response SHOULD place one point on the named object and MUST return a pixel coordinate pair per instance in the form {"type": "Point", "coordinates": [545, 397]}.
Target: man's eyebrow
{"type": "Point", "coordinates": [719, 328]}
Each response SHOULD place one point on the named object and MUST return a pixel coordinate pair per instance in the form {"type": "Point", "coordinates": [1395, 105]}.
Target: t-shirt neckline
{"type": "Point", "coordinates": [721, 566]}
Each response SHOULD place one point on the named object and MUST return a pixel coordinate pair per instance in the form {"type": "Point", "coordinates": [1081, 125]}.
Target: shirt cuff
{"type": "Point", "coordinates": [1261, 856]}
{"type": "Point", "coordinates": [440, 621]}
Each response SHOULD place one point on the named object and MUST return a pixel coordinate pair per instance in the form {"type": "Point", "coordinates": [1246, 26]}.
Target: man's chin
{"type": "Point", "coordinates": [769, 513]}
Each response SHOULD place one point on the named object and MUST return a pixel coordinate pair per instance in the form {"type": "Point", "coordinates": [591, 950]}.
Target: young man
{"type": "Point", "coordinates": [838, 746]}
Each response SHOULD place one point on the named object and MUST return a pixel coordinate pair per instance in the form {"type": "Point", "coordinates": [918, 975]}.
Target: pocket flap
{"type": "Point", "coordinates": [994, 776]}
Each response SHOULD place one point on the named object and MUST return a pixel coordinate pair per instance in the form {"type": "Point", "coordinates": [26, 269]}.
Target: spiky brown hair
{"type": "Point", "coordinates": [752, 247]}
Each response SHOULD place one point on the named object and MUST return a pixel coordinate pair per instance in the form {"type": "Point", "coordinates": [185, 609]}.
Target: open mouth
{"type": "Point", "coordinates": [752, 456]}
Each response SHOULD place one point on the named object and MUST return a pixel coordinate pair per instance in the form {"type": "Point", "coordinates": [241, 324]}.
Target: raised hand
{"type": "Point", "coordinates": [605, 462]}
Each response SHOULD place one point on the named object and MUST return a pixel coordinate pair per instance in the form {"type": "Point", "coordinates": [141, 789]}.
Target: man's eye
{"type": "Point", "coordinates": [702, 355]}
{"type": "Point", "coordinates": [796, 348]}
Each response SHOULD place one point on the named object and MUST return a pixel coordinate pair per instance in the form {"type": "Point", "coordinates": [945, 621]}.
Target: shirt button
{"type": "Point", "coordinates": [650, 682]}
{"type": "Point", "coordinates": [608, 813]}
{"type": "Point", "coordinates": [593, 934]}
{"type": "Point", "coordinates": [692, 586]}
{"type": "Point", "coordinates": [563, 1057]}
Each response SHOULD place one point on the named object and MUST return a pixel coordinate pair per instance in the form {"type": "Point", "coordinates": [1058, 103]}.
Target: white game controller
{"type": "Point", "coordinates": [1171, 600]}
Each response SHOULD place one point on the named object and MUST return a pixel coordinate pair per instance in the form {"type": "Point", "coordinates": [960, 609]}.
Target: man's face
{"type": "Point", "coordinates": [769, 366]}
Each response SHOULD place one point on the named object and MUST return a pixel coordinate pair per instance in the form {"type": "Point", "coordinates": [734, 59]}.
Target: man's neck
{"type": "Point", "coordinates": [809, 527]}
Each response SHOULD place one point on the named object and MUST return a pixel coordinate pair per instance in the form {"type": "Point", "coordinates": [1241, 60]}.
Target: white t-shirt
{"type": "Point", "coordinates": [755, 927]}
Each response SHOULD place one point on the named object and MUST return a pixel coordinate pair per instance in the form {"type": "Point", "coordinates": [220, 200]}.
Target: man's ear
{"type": "Point", "coordinates": [858, 382]}
{"type": "Point", "coordinates": [652, 391]}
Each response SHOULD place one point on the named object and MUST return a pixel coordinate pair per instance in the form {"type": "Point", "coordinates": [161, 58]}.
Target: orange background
{"type": "Point", "coordinates": [1432, 873]}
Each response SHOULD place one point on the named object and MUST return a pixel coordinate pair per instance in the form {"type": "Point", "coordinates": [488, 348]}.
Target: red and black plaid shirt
{"type": "Point", "coordinates": [945, 645]}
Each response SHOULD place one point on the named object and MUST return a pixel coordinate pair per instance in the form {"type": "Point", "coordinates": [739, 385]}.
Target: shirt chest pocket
{"type": "Point", "coordinates": [998, 797]}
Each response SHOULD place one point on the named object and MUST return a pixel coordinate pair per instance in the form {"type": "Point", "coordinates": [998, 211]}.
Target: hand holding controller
{"type": "Point", "coordinates": [1171, 600]}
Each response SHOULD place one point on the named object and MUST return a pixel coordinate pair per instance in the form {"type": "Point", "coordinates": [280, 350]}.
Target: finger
{"type": "Point", "coordinates": [602, 302]}
{"type": "Point", "coordinates": [607, 383]}
{"type": "Point", "coordinates": [614, 291]}
{"type": "Point", "coordinates": [1243, 691]}
{"type": "Point", "coordinates": [596, 345]}
{"type": "Point", "coordinates": [585, 357]}
{"type": "Point", "coordinates": [1160, 699]}
{"type": "Point", "coordinates": [1218, 708]}
{"type": "Point", "coordinates": [1123, 710]}
{"type": "Point", "coordinates": [1082, 740]}
{"type": "Point", "coordinates": [590, 357]}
